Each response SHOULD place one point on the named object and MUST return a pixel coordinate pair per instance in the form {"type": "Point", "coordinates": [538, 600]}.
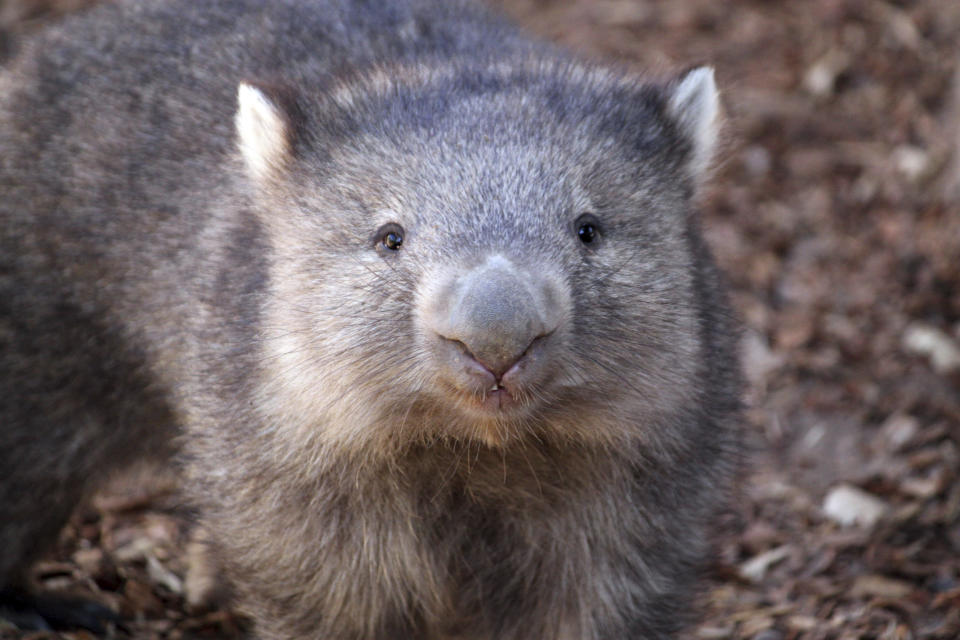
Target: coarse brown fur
{"type": "Point", "coordinates": [181, 258]}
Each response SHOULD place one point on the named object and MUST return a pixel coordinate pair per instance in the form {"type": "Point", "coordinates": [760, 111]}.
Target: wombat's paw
{"type": "Point", "coordinates": [48, 612]}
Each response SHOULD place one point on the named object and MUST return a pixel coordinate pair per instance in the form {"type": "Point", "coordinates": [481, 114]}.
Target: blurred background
{"type": "Point", "coordinates": [835, 212]}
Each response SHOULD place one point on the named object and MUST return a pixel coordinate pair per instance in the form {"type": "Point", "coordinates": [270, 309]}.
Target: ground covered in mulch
{"type": "Point", "coordinates": [835, 214]}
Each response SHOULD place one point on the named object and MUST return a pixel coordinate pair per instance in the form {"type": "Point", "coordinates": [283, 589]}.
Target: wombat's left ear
{"type": "Point", "coordinates": [694, 104]}
{"type": "Point", "coordinates": [267, 121]}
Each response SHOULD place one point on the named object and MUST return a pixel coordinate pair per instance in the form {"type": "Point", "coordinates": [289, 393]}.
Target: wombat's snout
{"type": "Point", "coordinates": [495, 322]}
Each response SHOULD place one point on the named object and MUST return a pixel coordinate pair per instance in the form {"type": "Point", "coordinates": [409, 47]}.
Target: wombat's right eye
{"type": "Point", "coordinates": [391, 236]}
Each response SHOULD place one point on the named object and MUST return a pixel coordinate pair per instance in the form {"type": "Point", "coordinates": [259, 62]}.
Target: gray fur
{"type": "Point", "coordinates": [338, 438]}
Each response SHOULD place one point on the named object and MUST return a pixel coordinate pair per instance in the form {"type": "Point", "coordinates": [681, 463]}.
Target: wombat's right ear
{"type": "Point", "coordinates": [266, 121]}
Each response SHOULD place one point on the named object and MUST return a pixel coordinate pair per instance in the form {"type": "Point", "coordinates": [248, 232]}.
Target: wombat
{"type": "Point", "coordinates": [422, 300]}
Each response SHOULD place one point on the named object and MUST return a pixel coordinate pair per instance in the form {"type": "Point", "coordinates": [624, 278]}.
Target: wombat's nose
{"type": "Point", "coordinates": [496, 312]}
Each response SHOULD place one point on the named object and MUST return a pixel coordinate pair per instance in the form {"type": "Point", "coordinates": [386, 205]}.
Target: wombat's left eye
{"type": "Point", "coordinates": [391, 236]}
{"type": "Point", "coordinates": [587, 228]}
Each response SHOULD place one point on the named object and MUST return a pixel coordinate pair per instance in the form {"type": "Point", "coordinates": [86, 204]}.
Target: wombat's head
{"type": "Point", "coordinates": [479, 253]}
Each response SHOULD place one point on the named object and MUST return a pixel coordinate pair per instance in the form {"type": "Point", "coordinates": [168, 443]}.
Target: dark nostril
{"type": "Point", "coordinates": [497, 363]}
{"type": "Point", "coordinates": [465, 350]}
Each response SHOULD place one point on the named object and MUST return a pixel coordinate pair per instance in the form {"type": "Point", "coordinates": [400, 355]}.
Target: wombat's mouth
{"type": "Point", "coordinates": [487, 393]}
{"type": "Point", "coordinates": [497, 399]}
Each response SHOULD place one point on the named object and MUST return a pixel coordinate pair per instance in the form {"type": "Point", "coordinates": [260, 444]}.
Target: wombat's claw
{"type": "Point", "coordinates": [48, 612]}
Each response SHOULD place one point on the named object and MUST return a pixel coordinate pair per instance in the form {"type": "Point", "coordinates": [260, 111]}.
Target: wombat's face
{"type": "Point", "coordinates": [485, 256]}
